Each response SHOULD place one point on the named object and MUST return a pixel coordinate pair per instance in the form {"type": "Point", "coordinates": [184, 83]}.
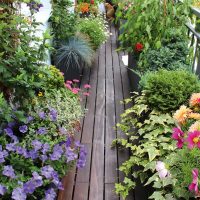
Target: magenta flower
{"type": "Point", "coordinates": [69, 82]}
{"type": "Point", "coordinates": [75, 91]}
{"type": "Point", "coordinates": [194, 185]}
{"type": "Point", "coordinates": [193, 139]}
{"type": "Point", "coordinates": [178, 135]}
{"type": "Point", "coordinates": [86, 94]}
{"type": "Point", "coordinates": [76, 81]}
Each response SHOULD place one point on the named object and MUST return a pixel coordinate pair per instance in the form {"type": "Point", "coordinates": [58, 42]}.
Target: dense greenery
{"type": "Point", "coordinates": [167, 90]}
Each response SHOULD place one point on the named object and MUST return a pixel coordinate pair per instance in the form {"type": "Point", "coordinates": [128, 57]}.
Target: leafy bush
{"type": "Point", "coordinates": [76, 53]}
{"type": "Point", "coordinates": [95, 28]}
{"type": "Point", "coordinates": [149, 140]}
{"type": "Point", "coordinates": [167, 90]}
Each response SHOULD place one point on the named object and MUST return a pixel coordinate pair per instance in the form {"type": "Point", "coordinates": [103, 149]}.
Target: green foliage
{"type": "Point", "coordinates": [149, 19]}
{"type": "Point", "coordinates": [62, 21]}
{"type": "Point", "coordinates": [149, 140]}
{"type": "Point", "coordinates": [95, 28]}
{"type": "Point", "coordinates": [20, 57]}
{"type": "Point", "coordinates": [167, 90]}
{"type": "Point", "coordinates": [76, 53]}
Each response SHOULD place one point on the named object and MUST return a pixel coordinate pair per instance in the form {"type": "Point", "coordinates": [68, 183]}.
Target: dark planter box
{"type": "Point", "coordinates": [133, 77]}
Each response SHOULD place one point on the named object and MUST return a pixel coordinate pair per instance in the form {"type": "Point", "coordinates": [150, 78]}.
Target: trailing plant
{"type": "Point", "coordinates": [166, 90]}
{"type": "Point", "coordinates": [148, 20]}
{"type": "Point", "coordinates": [95, 28]}
{"type": "Point", "coordinates": [76, 53]}
{"type": "Point", "coordinates": [149, 140]}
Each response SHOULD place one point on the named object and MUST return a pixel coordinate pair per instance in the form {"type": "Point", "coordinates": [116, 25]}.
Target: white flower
{"type": "Point", "coordinates": [161, 169]}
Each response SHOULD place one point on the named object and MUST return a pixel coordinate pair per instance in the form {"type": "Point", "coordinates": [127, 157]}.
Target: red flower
{"type": "Point", "coordinates": [92, 1]}
{"type": "Point", "coordinates": [139, 47]}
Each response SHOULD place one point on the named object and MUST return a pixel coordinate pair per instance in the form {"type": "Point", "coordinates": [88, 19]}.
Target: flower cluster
{"type": "Point", "coordinates": [188, 132]}
{"type": "Point", "coordinates": [42, 156]}
{"type": "Point", "coordinates": [34, 6]}
{"type": "Point", "coordinates": [72, 85]}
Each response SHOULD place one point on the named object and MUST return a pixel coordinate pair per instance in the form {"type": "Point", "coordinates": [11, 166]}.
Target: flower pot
{"type": "Point", "coordinates": [134, 78]}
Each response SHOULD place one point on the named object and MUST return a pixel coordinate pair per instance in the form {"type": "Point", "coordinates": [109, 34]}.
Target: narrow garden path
{"type": "Point", "coordinates": [109, 85]}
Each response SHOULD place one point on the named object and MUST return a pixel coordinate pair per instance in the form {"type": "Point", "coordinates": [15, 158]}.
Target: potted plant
{"type": "Point", "coordinates": [73, 56]}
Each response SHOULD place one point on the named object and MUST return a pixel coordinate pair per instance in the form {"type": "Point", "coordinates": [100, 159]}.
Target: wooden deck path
{"type": "Point", "coordinates": [109, 85]}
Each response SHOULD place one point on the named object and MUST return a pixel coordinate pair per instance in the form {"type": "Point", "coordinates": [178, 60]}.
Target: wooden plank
{"type": "Point", "coordinates": [68, 183]}
{"type": "Point", "coordinates": [111, 165]}
{"type": "Point", "coordinates": [109, 192]}
{"type": "Point", "coordinates": [81, 191]}
{"type": "Point", "coordinates": [89, 117]}
{"type": "Point", "coordinates": [97, 165]}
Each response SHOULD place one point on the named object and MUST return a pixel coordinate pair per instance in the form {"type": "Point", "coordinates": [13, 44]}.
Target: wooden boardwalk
{"type": "Point", "coordinates": [109, 85]}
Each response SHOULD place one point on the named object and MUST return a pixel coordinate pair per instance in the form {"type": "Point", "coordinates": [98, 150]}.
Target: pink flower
{"type": "Point", "coordinates": [193, 139]}
{"type": "Point", "coordinates": [194, 185]}
{"type": "Point", "coordinates": [161, 169]}
{"type": "Point", "coordinates": [86, 86]}
{"type": "Point", "coordinates": [86, 93]}
{"type": "Point", "coordinates": [76, 81]}
{"type": "Point", "coordinates": [69, 82]}
{"type": "Point", "coordinates": [67, 85]}
{"type": "Point", "coordinates": [75, 91]}
{"type": "Point", "coordinates": [178, 135]}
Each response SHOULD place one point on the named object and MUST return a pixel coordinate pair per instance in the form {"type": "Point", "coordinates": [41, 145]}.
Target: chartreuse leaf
{"type": "Point", "coordinates": [158, 195]}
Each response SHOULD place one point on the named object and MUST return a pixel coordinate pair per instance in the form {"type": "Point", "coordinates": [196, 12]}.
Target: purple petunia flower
{"type": "Point", "coordinates": [57, 181]}
{"type": "Point", "coordinates": [11, 146]}
{"type": "Point", "coordinates": [36, 144]}
{"type": "Point", "coordinates": [47, 171]}
{"type": "Point", "coordinates": [45, 148]}
{"type": "Point", "coordinates": [11, 124]}
{"type": "Point", "coordinates": [29, 119]}
{"type": "Point", "coordinates": [3, 155]}
{"type": "Point", "coordinates": [53, 114]}
{"type": "Point", "coordinates": [34, 6]}
{"type": "Point", "coordinates": [50, 194]}
{"type": "Point", "coordinates": [23, 129]}
{"type": "Point", "coordinates": [82, 158]}
{"type": "Point", "coordinates": [9, 132]}
{"type": "Point", "coordinates": [68, 142]}
{"type": "Point", "coordinates": [42, 115]}
{"type": "Point", "coordinates": [70, 155]}
{"type": "Point", "coordinates": [57, 152]}
{"type": "Point", "coordinates": [2, 190]}
{"type": "Point", "coordinates": [43, 158]}
{"type": "Point", "coordinates": [42, 130]}
{"type": "Point", "coordinates": [18, 194]}
{"type": "Point", "coordinates": [29, 187]}
{"type": "Point", "coordinates": [33, 154]}
{"type": "Point", "coordinates": [63, 131]}
{"type": "Point", "coordinates": [20, 150]}
{"type": "Point", "coordinates": [9, 171]}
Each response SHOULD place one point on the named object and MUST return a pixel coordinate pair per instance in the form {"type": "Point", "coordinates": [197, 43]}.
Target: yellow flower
{"type": "Point", "coordinates": [195, 127]}
{"type": "Point", "coordinates": [182, 114]}
{"type": "Point", "coordinates": [195, 99]}
{"type": "Point", "coordinates": [40, 94]}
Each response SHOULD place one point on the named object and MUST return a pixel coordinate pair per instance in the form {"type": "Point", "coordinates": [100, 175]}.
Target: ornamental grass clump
{"type": "Point", "coordinates": [166, 90]}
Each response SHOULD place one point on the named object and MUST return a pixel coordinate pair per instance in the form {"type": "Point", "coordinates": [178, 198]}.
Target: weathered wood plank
{"type": "Point", "coordinates": [97, 165]}
{"type": "Point", "coordinates": [109, 192]}
{"type": "Point", "coordinates": [81, 191]}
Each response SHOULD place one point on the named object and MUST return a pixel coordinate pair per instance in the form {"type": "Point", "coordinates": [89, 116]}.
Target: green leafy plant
{"type": "Point", "coordinates": [149, 140]}
{"type": "Point", "coordinates": [167, 90]}
{"type": "Point", "coordinates": [76, 54]}
{"type": "Point", "coordinates": [95, 28]}
{"type": "Point", "coordinates": [148, 20]}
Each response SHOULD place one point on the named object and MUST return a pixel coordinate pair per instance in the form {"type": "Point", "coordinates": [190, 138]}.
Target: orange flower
{"type": "Point", "coordinates": [84, 7]}
{"type": "Point", "coordinates": [194, 116]}
{"type": "Point", "coordinates": [195, 99]}
{"type": "Point", "coordinates": [182, 114]}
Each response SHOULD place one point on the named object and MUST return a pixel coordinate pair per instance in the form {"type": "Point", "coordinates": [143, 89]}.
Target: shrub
{"type": "Point", "coordinates": [95, 28]}
{"type": "Point", "coordinates": [76, 53]}
{"type": "Point", "coordinates": [167, 90]}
